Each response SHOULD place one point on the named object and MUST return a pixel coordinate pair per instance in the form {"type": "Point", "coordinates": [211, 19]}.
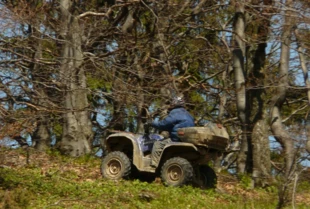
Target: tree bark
{"type": "Point", "coordinates": [308, 138]}
{"type": "Point", "coordinates": [140, 94]}
{"type": "Point", "coordinates": [41, 138]}
{"type": "Point", "coordinates": [238, 67]}
{"type": "Point", "coordinates": [261, 154]}
{"type": "Point", "coordinates": [277, 128]}
{"type": "Point", "coordinates": [302, 60]}
{"type": "Point", "coordinates": [256, 105]}
{"type": "Point", "coordinates": [77, 131]}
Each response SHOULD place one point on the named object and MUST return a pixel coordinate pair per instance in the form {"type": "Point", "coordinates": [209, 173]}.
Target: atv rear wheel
{"type": "Point", "coordinates": [205, 177]}
{"type": "Point", "coordinates": [116, 165]}
{"type": "Point", "coordinates": [177, 172]}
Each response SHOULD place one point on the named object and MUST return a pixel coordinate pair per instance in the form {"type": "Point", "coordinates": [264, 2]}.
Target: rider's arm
{"type": "Point", "coordinates": [165, 124]}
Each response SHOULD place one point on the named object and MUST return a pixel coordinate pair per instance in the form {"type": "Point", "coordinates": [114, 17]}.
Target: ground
{"type": "Point", "coordinates": [90, 171]}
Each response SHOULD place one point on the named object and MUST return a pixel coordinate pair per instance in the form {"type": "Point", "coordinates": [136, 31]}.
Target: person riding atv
{"type": "Point", "coordinates": [178, 163]}
{"type": "Point", "coordinates": [178, 117]}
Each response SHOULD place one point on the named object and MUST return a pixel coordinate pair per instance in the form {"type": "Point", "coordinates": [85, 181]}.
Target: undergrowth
{"type": "Point", "coordinates": [54, 181]}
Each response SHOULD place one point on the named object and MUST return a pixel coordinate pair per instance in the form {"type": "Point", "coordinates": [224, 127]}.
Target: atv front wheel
{"type": "Point", "coordinates": [177, 171]}
{"type": "Point", "coordinates": [115, 165]}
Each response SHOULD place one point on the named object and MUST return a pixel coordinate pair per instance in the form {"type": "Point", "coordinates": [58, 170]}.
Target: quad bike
{"type": "Point", "coordinates": [180, 163]}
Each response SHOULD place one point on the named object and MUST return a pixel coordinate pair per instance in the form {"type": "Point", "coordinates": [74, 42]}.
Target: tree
{"type": "Point", "coordinates": [258, 31]}
{"type": "Point", "coordinates": [279, 98]}
{"type": "Point", "coordinates": [239, 76]}
{"type": "Point", "coordinates": [77, 132]}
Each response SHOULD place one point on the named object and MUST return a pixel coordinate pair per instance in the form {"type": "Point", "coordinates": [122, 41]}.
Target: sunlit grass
{"type": "Point", "coordinates": [58, 182]}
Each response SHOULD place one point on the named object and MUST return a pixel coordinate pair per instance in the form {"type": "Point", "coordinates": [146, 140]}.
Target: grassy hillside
{"type": "Point", "coordinates": [49, 180]}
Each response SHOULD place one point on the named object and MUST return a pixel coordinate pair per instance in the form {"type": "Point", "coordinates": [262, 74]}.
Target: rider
{"type": "Point", "coordinates": [178, 117]}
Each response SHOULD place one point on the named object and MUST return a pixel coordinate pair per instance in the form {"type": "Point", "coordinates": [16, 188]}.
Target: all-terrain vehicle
{"type": "Point", "coordinates": [180, 163]}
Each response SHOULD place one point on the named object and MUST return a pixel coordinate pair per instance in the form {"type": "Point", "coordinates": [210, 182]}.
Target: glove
{"type": "Point", "coordinates": [147, 127]}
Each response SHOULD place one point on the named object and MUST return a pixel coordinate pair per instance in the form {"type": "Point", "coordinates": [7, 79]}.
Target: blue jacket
{"type": "Point", "coordinates": [177, 118]}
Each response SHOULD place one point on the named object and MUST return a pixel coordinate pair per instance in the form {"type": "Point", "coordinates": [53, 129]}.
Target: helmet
{"type": "Point", "coordinates": [177, 101]}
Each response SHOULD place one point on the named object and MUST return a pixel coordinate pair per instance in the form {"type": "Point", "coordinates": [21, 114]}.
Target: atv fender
{"type": "Point", "coordinates": [127, 142]}
{"type": "Point", "coordinates": [179, 149]}
{"type": "Point", "coordinates": [181, 144]}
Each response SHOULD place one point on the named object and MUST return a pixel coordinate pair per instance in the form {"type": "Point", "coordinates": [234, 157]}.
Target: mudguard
{"type": "Point", "coordinates": [141, 147]}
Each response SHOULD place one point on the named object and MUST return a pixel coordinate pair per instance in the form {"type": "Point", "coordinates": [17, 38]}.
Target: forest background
{"type": "Point", "coordinates": [72, 71]}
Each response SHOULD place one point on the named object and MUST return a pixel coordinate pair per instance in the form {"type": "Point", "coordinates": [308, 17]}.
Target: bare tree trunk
{"type": "Point", "coordinates": [261, 153]}
{"type": "Point", "coordinates": [306, 79]}
{"type": "Point", "coordinates": [223, 99]}
{"type": "Point", "coordinates": [308, 137]}
{"type": "Point", "coordinates": [277, 101]}
{"type": "Point", "coordinates": [77, 131]}
{"type": "Point", "coordinates": [256, 106]}
{"type": "Point", "coordinates": [258, 122]}
{"type": "Point", "coordinates": [41, 138]}
{"type": "Point", "coordinates": [238, 66]}
{"type": "Point", "coordinates": [302, 59]}
{"type": "Point", "coordinates": [278, 130]}
{"type": "Point", "coordinates": [140, 94]}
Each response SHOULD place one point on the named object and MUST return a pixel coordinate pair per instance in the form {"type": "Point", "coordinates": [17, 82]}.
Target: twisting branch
{"type": "Point", "coordinates": [100, 14]}
{"type": "Point", "coordinates": [294, 112]}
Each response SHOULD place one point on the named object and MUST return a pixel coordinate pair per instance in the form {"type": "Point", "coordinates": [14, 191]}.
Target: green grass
{"type": "Point", "coordinates": [58, 182]}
